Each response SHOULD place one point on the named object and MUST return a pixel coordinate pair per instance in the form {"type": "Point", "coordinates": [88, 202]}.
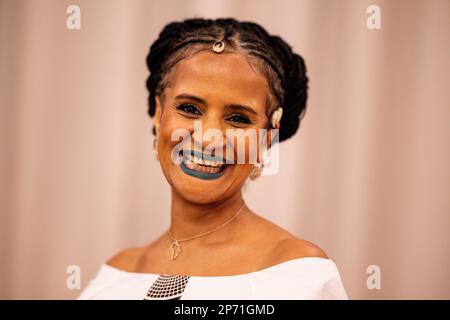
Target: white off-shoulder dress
{"type": "Point", "coordinates": [302, 278]}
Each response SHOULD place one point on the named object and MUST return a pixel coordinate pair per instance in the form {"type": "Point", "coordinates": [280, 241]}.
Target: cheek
{"type": "Point", "coordinates": [169, 124]}
{"type": "Point", "coordinates": [250, 148]}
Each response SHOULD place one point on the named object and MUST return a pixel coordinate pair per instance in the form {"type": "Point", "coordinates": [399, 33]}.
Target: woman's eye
{"type": "Point", "coordinates": [189, 108]}
{"type": "Point", "coordinates": [239, 118]}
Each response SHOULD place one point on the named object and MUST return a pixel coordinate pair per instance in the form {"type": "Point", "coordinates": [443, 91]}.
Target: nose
{"type": "Point", "coordinates": [209, 133]}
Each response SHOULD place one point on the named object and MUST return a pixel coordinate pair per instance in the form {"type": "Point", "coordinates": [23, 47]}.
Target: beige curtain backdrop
{"type": "Point", "coordinates": [367, 177]}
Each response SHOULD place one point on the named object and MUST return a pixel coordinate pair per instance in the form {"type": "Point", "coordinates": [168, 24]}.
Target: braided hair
{"type": "Point", "coordinates": [285, 70]}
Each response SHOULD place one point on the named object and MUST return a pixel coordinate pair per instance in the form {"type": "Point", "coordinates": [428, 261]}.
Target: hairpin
{"type": "Point", "coordinates": [218, 46]}
{"type": "Point", "coordinates": [276, 118]}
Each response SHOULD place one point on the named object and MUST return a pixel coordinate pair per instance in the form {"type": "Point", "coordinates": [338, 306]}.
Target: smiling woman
{"type": "Point", "coordinates": [225, 75]}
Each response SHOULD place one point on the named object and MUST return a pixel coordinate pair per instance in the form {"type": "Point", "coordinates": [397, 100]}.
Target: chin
{"type": "Point", "coordinates": [200, 187]}
{"type": "Point", "coordinates": [203, 191]}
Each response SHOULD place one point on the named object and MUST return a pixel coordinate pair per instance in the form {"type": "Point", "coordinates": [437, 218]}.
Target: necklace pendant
{"type": "Point", "coordinates": [176, 249]}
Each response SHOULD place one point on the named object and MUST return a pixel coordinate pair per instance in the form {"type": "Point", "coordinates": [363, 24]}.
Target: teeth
{"type": "Point", "coordinates": [201, 168]}
{"type": "Point", "coordinates": [203, 162]}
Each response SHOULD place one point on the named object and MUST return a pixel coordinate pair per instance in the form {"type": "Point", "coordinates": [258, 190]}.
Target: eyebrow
{"type": "Point", "coordinates": [232, 106]}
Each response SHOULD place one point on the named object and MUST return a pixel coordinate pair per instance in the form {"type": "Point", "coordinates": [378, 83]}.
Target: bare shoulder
{"type": "Point", "coordinates": [127, 260]}
{"type": "Point", "coordinates": [291, 248]}
{"type": "Point", "coordinates": [285, 246]}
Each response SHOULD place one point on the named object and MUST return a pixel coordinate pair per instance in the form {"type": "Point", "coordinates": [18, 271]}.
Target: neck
{"type": "Point", "coordinates": [189, 219]}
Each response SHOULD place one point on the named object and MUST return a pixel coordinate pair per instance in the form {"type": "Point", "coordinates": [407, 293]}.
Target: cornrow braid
{"type": "Point", "coordinates": [284, 69]}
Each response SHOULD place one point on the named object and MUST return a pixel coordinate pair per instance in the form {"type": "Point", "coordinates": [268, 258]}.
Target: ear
{"type": "Point", "coordinates": [157, 117]}
{"type": "Point", "coordinates": [271, 134]}
{"type": "Point", "coordinates": [269, 138]}
{"type": "Point", "coordinates": [268, 142]}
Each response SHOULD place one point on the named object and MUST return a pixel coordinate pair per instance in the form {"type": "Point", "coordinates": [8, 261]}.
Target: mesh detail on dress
{"type": "Point", "coordinates": [167, 287]}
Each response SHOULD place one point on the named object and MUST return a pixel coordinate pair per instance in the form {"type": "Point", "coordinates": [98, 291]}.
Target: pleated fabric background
{"type": "Point", "coordinates": [367, 177]}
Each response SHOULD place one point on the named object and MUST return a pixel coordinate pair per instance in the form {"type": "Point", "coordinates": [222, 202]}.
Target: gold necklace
{"type": "Point", "coordinates": [175, 246]}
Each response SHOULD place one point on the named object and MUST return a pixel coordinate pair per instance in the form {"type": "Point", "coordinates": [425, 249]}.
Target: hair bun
{"type": "Point", "coordinates": [295, 85]}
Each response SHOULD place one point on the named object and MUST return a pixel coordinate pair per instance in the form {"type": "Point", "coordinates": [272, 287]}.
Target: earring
{"type": "Point", "coordinates": [155, 148]}
{"type": "Point", "coordinates": [256, 172]}
{"type": "Point", "coordinates": [276, 118]}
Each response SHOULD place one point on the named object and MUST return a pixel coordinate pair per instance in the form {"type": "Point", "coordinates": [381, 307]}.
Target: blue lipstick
{"type": "Point", "coordinates": [201, 174]}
